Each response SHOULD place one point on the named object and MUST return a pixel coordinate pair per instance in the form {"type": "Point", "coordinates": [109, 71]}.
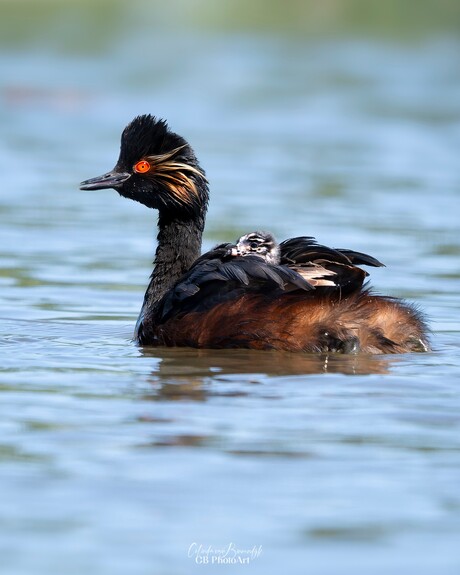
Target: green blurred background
{"type": "Point", "coordinates": [25, 21]}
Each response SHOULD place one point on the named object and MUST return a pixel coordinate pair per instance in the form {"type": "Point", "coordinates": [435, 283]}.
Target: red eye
{"type": "Point", "coordinates": [142, 167]}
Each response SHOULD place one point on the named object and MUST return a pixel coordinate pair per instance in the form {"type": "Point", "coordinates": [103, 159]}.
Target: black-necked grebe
{"type": "Point", "coordinates": [308, 298]}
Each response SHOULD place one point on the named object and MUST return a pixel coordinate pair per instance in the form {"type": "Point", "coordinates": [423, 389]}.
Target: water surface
{"type": "Point", "coordinates": [115, 458]}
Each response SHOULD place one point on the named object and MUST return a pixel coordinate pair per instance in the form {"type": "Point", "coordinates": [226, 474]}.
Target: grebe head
{"type": "Point", "coordinates": [157, 168]}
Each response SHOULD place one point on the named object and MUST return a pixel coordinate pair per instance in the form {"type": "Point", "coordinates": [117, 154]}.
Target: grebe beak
{"type": "Point", "coordinates": [112, 179]}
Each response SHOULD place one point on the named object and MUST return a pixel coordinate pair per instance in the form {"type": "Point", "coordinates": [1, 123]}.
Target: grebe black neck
{"type": "Point", "coordinates": [159, 169]}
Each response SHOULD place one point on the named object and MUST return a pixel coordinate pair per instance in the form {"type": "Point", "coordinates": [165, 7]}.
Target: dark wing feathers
{"type": "Point", "coordinates": [361, 259]}
{"type": "Point", "coordinates": [185, 290]}
{"type": "Point", "coordinates": [292, 278]}
{"type": "Point", "coordinates": [219, 252]}
{"type": "Point", "coordinates": [230, 272]}
{"type": "Point", "coordinates": [216, 276]}
{"type": "Point", "coordinates": [305, 249]}
{"type": "Point", "coordinates": [198, 288]}
{"type": "Point", "coordinates": [328, 269]}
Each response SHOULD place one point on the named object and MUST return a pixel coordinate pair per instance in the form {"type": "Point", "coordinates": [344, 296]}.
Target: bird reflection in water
{"type": "Point", "coordinates": [197, 374]}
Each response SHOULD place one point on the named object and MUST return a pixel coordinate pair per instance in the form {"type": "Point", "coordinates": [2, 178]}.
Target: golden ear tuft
{"type": "Point", "coordinates": [175, 175]}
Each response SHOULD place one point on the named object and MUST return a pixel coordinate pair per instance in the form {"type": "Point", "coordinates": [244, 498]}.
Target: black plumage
{"type": "Point", "coordinates": [296, 296]}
